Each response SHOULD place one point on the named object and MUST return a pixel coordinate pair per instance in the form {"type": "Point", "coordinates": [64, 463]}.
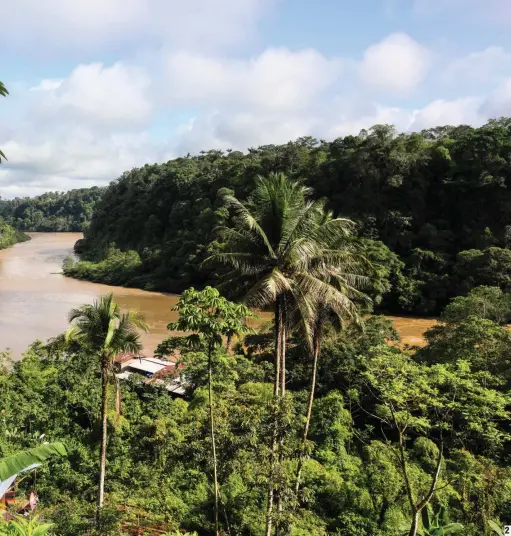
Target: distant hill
{"type": "Point", "coordinates": [52, 211]}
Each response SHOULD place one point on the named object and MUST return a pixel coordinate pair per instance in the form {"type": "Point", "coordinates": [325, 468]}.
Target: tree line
{"type": "Point", "coordinates": [313, 424]}
{"type": "Point", "coordinates": [432, 208]}
{"type": "Point", "coordinates": [52, 211]}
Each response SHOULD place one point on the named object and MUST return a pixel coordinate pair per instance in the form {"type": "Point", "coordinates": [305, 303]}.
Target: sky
{"type": "Point", "coordinates": [98, 87]}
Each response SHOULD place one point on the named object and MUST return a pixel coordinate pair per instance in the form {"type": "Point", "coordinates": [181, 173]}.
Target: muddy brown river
{"type": "Point", "coordinates": [35, 298]}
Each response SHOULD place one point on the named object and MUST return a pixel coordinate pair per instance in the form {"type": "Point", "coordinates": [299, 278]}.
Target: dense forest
{"type": "Point", "coordinates": [317, 423]}
{"type": "Point", "coordinates": [159, 472]}
{"type": "Point", "coordinates": [52, 211]}
{"type": "Point", "coordinates": [439, 201]}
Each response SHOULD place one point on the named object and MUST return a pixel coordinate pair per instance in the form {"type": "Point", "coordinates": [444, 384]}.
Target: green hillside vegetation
{"type": "Point", "coordinates": [434, 208]}
{"type": "Point", "coordinates": [312, 425]}
{"type": "Point", "coordinates": [52, 211]}
{"type": "Point", "coordinates": [10, 236]}
{"type": "Point", "coordinates": [160, 467]}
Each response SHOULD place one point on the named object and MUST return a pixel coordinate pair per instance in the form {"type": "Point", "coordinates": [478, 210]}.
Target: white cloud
{"type": "Point", "coordinates": [498, 103]}
{"type": "Point", "coordinates": [444, 112]}
{"type": "Point", "coordinates": [398, 64]}
{"type": "Point", "coordinates": [61, 26]}
{"type": "Point", "coordinates": [73, 161]}
{"type": "Point", "coordinates": [347, 123]}
{"type": "Point", "coordinates": [277, 79]}
{"type": "Point", "coordinates": [89, 125]}
{"type": "Point", "coordinates": [240, 131]}
{"type": "Point", "coordinates": [110, 96]}
{"type": "Point", "coordinates": [487, 66]}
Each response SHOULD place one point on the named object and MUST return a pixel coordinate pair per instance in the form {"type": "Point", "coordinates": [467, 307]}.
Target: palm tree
{"type": "Point", "coordinates": [349, 274]}
{"type": "Point", "coordinates": [279, 257]}
{"type": "Point", "coordinates": [107, 332]}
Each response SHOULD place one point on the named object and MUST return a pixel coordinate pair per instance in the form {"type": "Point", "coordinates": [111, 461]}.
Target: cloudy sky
{"type": "Point", "coordinates": [101, 86]}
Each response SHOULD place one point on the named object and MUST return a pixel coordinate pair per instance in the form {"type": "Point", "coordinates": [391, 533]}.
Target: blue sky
{"type": "Point", "coordinates": [101, 86]}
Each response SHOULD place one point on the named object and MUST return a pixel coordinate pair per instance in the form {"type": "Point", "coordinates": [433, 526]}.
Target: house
{"type": "Point", "coordinates": [156, 371]}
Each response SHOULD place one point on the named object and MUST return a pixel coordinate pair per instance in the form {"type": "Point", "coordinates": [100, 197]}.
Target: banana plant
{"type": "Point", "coordinates": [496, 528]}
{"type": "Point", "coordinates": [22, 526]}
{"type": "Point", "coordinates": [26, 460]}
{"type": "Point", "coordinates": [437, 524]}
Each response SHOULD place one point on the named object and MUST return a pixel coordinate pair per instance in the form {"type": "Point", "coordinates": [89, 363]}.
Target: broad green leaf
{"type": "Point", "coordinates": [12, 465]}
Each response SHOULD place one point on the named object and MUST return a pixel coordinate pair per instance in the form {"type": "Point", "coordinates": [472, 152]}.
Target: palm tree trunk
{"type": "Point", "coordinates": [316, 352]}
{"type": "Point", "coordinates": [276, 401]}
{"type": "Point", "coordinates": [213, 442]}
{"type": "Point", "coordinates": [282, 409]}
{"type": "Point", "coordinates": [117, 399]}
{"type": "Point", "coordinates": [104, 426]}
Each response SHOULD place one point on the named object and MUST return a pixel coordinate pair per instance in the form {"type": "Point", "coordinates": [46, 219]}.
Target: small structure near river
{"type": "Point", "coordinates": [155, 371]}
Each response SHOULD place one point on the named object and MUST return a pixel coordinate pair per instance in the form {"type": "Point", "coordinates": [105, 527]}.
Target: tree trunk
{"type": "Point", "coordinates": [276, 408]}
{"type": "Point", "coordinates": [282, 351]}
{"type": "Point", "coordinates": [117, 399]}
{"type": "Point", "coordinates": [415, 525]}
{"type": "Point", "coordinates": [213, 442]}
{"type": "Point", "coordinates": [104, 430]}
{"type": "Point", "coordinates": [310, 401]}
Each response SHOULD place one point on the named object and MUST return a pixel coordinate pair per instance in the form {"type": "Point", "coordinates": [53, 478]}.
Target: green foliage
{"type": "Point", "coordinates": [25, 527]}
{"type": "Point", "coordinates": [52, 211]}
{"type": "Point", "coordinates": [10, 236]}
{"type": "Point", "coordinates": [104, 329]}
{"type": "Point", "coordinates": [159, 454]}
{"type": "Point", "coordinates": [483, 302]}
{"type": "Point", "coordinates": [14, 464]}
{"type": "Point", "coordinates": [437, 523]}
{"type": "Point", "coordinates": [496, 528]}
{"type": "Point", "coordinates": [118, 267]}
{"type": "Point", "coordinates": [425, 196]}
{"type": "Point", "coordinates": [210, 317]}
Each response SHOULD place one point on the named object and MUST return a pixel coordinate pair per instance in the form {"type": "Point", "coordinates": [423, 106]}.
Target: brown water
{"type": "Point", "coordinates": [35, 298]}
{"type": "Point", "coordinates": [412, 329]}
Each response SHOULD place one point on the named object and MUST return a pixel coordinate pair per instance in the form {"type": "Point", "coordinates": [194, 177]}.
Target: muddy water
{"type": "Point", "coordinates": [35, 298]}
{"type": "Point", "coordinates": [412, 329]}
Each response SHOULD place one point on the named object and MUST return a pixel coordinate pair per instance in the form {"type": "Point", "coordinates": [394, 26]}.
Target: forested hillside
{"type": "Point", "coordinates": [316, 423]}
{"type": "Point", "coordinates": [439, 199]}
{"type": "Point", "coordinates": [52, 211]}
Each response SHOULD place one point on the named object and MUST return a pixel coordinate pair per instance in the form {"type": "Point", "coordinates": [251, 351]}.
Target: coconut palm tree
{"type": "Point", "coordinates": [279, 256]}
{"type": "Point", "coordinates": [107, 332]}
{"type": "Point", "coordinates": [349, 274]}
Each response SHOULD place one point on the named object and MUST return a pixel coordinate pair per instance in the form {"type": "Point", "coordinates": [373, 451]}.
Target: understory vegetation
{"type": "Point", "coordinates": [159, 471]}
{"type": "Point", "coordinates": [434, 209]}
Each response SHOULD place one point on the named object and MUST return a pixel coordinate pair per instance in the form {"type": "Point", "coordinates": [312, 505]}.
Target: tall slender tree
{"type": "Point", "coordinates": [277, 253]}
{"type": "Point", "coordinates": [210, 318]}
{"type": "Point", "coordinates": [107, 332]}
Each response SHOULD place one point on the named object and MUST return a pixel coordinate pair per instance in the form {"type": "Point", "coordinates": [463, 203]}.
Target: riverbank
{"type": "Point", "coordinates": [10, 236]}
